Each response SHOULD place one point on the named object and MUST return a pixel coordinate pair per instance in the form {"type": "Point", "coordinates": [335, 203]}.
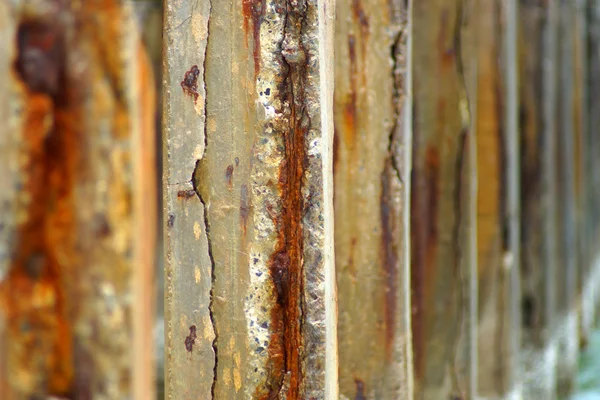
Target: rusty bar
{"type": "Point", "coordinates": [372, 148]}
{"type": "Point", "coordinates": [250, 304]}
{"type": "Point", "coordinates": [441, 204]}
{"type": "Point", "coordinates": [77, 226]}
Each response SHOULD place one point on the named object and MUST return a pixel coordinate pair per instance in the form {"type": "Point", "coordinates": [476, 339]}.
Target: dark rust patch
{"type": "Point", "coordinates": [360, 15]}
{"type": "Point", "coordinates": [360, 390]}
{"type": "Point", "coordinates": [34, 293]}
{"type": "Point", "coordinates": [336, 148]}
{"type": "Point", "coordinates": [186, 194]}
{"type": "Point", "coordinates": [285, 265]}
{"type": "Point", "coordinates": [189, 84]}
{"type": "Point", "coordinates": [40, 61]}
{"type": "Point", "coordinates": [244, 207]}
{"type": "Point", "coordinates": [190, 339]}
{"type": "Point", "coordinates": [229, 176]}
{"type": "Point", "coordinates": [253, 11]}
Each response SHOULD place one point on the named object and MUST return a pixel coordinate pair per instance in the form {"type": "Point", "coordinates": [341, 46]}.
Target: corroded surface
{"type": "Point", "coordinates": [538, 112]}
{"type": "Point", "coordinates": [567, 235]}
{"type": "Point", "coordinates": [372, 150]}
{"type": "Point", "coordinates": [440, 202]}
{"type": "Point", "coordinates": [73, 136]}
{"type": "Point", "coordinates": [249, 149]}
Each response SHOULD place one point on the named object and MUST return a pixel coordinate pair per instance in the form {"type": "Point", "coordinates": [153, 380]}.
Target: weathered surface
{"type": "Point", "coordinates": [498, 183]}
{"type": "Point", "coordinates": [538, 129]}
{"type": "Point", "coordinates": [248, 189]}
{"type": "Point", "coordinates": [77, 151]}
{"type": "Point", "coordinates": [442, 274]}
{"type": "Point", "coordinates": [566, 187]}
{"type": "Point", "coordinates": [591, 110]}
{"type": "Point", "coordinates": [371, 167]}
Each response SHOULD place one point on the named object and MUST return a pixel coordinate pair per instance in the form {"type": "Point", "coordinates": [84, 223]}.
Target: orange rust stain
{"type": "Point", "coordinates": [286, 262]}
{"type": "Point", "coordinates": [489, 161]}
{"type": "Point", "coordinates": [253, 12]}
{"type": "Point", "coordinates": [33, 294]}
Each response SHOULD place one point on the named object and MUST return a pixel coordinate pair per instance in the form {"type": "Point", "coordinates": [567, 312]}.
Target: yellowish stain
{"type": "Point", "coordinates": [197, 230]}
{"type": "Point", "coordinates": [226, 377]}
{"type": "Point", "coordinates": [197, 274]}
{"type": "Point", "coordinates": [212, 125]}
{"type": "Point", "coordinates": [237, 379]}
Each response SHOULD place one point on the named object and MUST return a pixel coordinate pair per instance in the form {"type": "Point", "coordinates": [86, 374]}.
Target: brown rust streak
{"type": "Point", "coordinates": [229, 176]}
{"type": "Point", "coordinates": [359, 14]}
{"type": "Point", "coordinates": [360, 389]}
{"type": "Point", "coordinates": [390, 256]}
{"type": "Point", "coordinates": [244, 207]}
{"type": "Point", "coordinates": [286, 262]}
{"type": "Point", "coordinates": [424, 204]}
{"type": "Point", "coordinates": [33, 293]}
{"type": "Point", "coordinates": [253, 10]}
{"type": "Point", "coordinates": [189, 84]}
{"type": "Point", "coordinates": [350, 108]}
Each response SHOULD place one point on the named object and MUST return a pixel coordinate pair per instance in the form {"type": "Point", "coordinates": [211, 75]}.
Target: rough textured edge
{"type": "Point", "coordinates": [407, 165]}
{"type": "Point", "coordinates": [327, 288]}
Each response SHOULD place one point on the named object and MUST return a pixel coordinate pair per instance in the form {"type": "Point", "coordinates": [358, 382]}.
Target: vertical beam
{"type": "Point", "coordinates": [538, 137]}
{"type": "Point", "coordinates": [372, 147]}
{"type": "Point", "coordinates": [566, 174]}
{"type": "Point", "coordinates": [440, 205]}
{"type": "Point", "coordinates": [76, 221]}
{"type": "Point", "coordinates": [248, 123]}
{"type": "Point", "coordinates": [498, 201]}
{"type": "Point", "coordinates": [593, 112]}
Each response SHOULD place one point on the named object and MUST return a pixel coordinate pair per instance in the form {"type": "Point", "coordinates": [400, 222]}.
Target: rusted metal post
{"type": "Point", "coordinates": [250, 278]}
{"type": "Point", "coordinates": [441, 205]}
{"type": "Point", "coordinates": [372, 177]}
{"type": "Point", "coordinates": [76, 224]}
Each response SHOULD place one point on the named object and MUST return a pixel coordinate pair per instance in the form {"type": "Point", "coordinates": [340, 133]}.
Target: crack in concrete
{"type": "Point", "coordinates": [202, 197]}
